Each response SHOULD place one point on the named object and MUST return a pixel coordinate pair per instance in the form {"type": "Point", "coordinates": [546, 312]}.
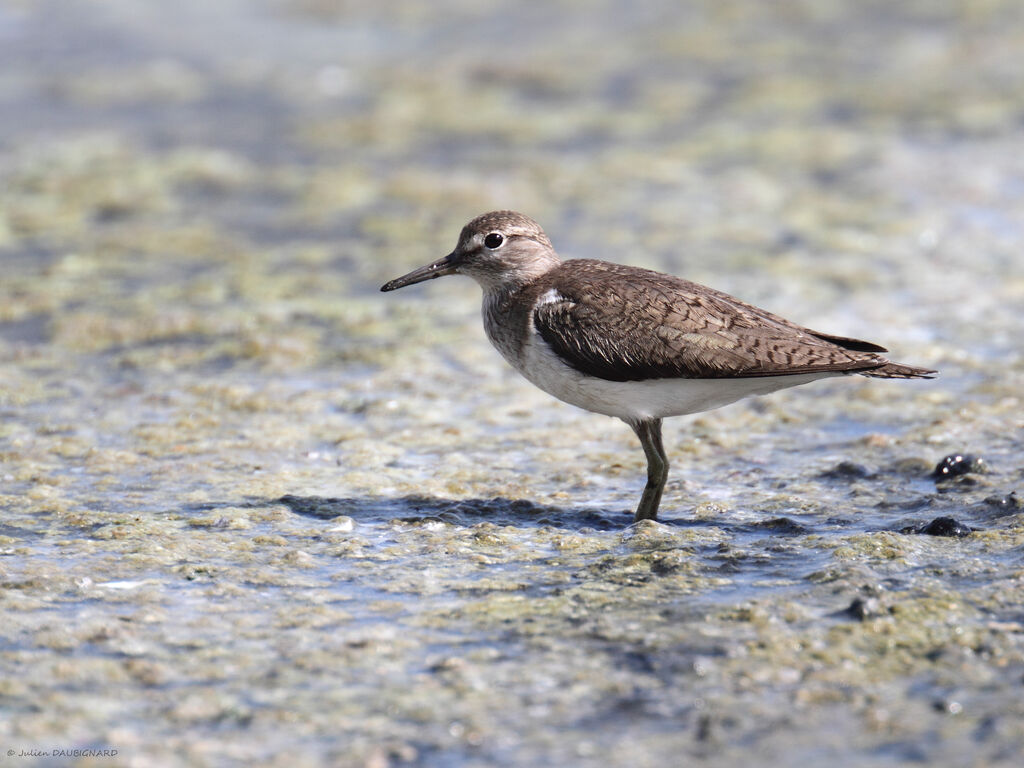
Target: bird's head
{"type": "Point", "coordinates": [500, 250]}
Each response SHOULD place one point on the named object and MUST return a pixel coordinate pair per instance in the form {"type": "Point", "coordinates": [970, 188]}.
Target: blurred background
{"type": "Point", "coordinates": [255, 511]}
{"type": "Point", "coordinates": [272, 155]}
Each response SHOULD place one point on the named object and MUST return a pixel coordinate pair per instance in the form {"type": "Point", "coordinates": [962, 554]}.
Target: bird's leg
{"type": "Point", "coordinates": [649, 433]}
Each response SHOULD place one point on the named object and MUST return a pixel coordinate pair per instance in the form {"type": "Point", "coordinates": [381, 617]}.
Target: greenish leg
{"type": "Point", "coordinates": [649, 433]}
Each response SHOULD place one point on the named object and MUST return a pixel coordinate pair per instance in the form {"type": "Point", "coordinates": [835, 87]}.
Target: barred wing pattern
{"type": "Point", "coordinates": [623, 323]}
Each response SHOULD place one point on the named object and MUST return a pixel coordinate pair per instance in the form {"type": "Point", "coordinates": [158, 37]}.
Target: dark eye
{"type": "Point", "coordinates": [494, 240]}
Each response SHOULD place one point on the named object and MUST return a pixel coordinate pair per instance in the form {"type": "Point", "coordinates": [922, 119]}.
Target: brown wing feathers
{"type": "Point", "coordinates": [627, 324]}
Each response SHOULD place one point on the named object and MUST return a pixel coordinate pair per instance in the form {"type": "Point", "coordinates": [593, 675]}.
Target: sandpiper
{"type": "Point", "coordinates": [633, 343]}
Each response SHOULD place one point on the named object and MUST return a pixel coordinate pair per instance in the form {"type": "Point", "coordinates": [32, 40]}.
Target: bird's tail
{"type": "Point", "coordinates": [899, 371]}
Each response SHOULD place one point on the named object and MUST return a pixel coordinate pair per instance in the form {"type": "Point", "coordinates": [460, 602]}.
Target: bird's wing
{"type": "Point", "coordinates": [627, 324]}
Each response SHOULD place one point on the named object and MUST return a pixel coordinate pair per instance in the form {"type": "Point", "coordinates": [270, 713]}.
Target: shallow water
{"type": "Point", "coordinates": [255, 512]}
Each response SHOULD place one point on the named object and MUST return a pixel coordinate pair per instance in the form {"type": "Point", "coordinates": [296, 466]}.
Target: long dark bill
{"type": "Point", "coordinates": [439, 268]}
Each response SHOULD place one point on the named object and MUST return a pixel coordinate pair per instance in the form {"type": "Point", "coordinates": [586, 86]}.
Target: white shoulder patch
{"type": "Point", "coordinates": [550, 296]}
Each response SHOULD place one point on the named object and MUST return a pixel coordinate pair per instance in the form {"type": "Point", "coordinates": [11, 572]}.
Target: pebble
{"type": "Point", "coordinates": [957, 464]}
{"type": "Point", "coordinates": [941, 526]}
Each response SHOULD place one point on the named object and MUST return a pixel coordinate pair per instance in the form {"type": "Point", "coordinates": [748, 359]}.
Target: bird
{"type": "Point", "coordinates": [633, 343]}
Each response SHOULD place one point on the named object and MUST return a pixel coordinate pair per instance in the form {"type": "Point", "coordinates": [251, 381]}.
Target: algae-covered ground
{"type": "Point", "coordinates": [254, 512]}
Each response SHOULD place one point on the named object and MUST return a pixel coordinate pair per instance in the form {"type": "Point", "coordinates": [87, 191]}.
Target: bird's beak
{"type": "Point", "coordinates": [445, 266]}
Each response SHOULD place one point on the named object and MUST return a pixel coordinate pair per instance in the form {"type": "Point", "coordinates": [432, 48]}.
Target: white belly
{"type": "Point", "coordinates": [635, 401]}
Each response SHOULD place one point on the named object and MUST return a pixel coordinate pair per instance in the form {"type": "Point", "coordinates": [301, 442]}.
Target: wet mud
{"type": "Point", "coordinates": [254, 512]}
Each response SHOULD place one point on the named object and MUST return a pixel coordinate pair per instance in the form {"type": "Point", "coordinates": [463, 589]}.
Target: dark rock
{"type": "Point", "coordinates": [957, 464]}
{"type": "Point", "coordinates": [781, 525]}
{"type": "Point", "coordinates": [1009, 503]}
{"type": "Point", "coordinates": [947, 706]}
{"type": "Point", "coordinates": [847, 470]}
{"type": "Point", "coordinates": [941, 526]}
{"type": "Point", "coordinates": [864, 608]}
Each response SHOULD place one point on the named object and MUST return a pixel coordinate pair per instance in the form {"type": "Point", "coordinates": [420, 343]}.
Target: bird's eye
{"type": "Point", "coordinates": [494, 240]}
